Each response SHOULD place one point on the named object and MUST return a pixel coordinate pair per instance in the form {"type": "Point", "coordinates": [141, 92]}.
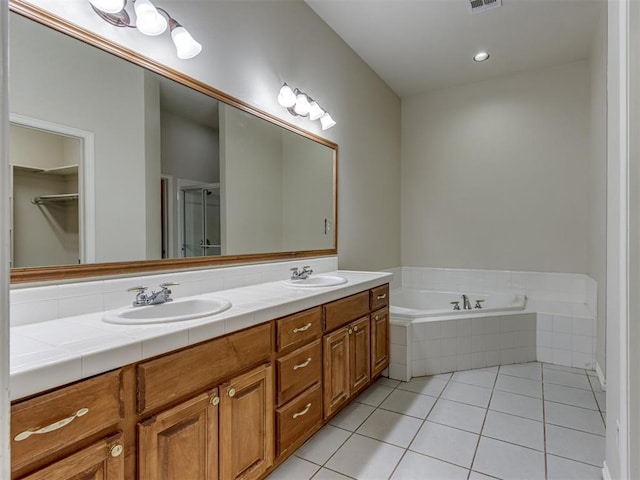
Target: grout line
{"type": "Point", "coordinates": [484, 420]}
{"type": "Point", "coordinates": [576, 461]}
{"type": "Point", "coordinates": [544, 429]}
{"type": "Point", "coordinates": [603, 415]}
{"type": "Point", "coordinates": [424, 420]}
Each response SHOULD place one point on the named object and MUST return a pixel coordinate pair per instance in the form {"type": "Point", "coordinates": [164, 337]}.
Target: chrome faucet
{"type": "Point", "coordinates": [155, 298]}
{"type": "Point", "coordinates": [300, 274]}
{"type": "Point", "coordinates": [466, 304]}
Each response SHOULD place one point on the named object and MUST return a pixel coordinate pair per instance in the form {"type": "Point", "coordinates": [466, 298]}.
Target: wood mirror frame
{"type": "Point", "coordinates": [70, 272]}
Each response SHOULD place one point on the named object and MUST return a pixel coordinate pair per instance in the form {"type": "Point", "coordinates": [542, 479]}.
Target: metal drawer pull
{"type": "Point", "coordinates": [50, 428]}
{"type": "Point", "coordinates": [232, 392]}
{"type": "Point", "coordinates": [303, 412]}
{"type": "Point", "coordinates": [302, 329]}
{"type": "Point", "coordinates": [303, 364]}
{"type": "Point", "coordinates": [382, 297]}
{"type": "Point", "coordinates": [215, 400]}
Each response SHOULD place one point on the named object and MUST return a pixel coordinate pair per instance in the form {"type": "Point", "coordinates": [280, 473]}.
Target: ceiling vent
{"type": "Point", "coordinates": [477, 6]}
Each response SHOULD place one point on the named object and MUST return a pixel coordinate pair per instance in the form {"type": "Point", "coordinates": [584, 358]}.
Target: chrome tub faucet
{"type": "Point", "coordinates": [466, 304]}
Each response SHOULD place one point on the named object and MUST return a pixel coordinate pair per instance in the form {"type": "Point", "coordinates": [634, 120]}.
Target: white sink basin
{"type": "Point", "coordinates": [315, 281]}
{"type": "Point", "coordinates": [175, 311]}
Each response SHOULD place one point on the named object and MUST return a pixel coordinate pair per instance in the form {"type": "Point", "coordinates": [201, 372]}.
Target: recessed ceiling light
{"type": "Point", "coordinates": [481, 56]}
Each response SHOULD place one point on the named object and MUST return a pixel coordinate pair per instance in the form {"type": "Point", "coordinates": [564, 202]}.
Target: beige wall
{"type": "Point", "coordinates": [152, 151]}
{"type": "Point", "coordinates": [495, 175]}
{"type": "Point", "coordinates": [307, 194]}
{"type": "Point", "coordinates": [249, 50]}
{"type": "Point", "coordinates": [251, 183]}
{"type": "Point", "coordinates": [598, 179]}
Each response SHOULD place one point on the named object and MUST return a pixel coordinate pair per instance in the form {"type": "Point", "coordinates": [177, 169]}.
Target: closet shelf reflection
{"type": "Point", "coordinates": [63, 197]}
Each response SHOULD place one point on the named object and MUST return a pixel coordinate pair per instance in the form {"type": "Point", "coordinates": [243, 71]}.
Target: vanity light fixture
{"type": "Point", "coordinates": [481, 57]}
{"type": "Point", "coordinates": [150, 20]}
{"type": "Point", "coordinates": [300, 104]}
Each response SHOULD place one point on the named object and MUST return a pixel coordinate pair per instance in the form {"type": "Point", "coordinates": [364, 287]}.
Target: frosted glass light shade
{"type": "Point", "coordinates": [327, 122]}
{"type": "Point", "coordinates": [286, 97]}
{"type": "Point", "coordinates": [302, 105]}
{"type": "Point", "coordinates": [481, 56]}
{"type": "Point", "coordinates": [149, 21]}
{"type": "Point", "coordinates": [108, 6]}
{"type": "Point", "coordinates": [186, 46]}
{"type": "Point", "coordinates": [316, 111]}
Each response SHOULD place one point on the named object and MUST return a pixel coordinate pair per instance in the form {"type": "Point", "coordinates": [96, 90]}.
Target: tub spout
{"type": "Point", "coordinates": [466, 304]}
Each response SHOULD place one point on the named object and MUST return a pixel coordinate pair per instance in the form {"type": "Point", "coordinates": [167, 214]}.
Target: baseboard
{"type": "Point", "coordinates": [605, 472]}
{"type": "Point", "coordinates": [601, 377]}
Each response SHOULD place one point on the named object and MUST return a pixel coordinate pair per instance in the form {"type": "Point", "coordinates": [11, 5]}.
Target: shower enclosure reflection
{"type": "Point", "coordinates": [201, 221]}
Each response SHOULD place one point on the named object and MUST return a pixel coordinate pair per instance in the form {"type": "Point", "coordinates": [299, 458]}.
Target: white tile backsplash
{"type": "Point", "coordinates": [34, 304]}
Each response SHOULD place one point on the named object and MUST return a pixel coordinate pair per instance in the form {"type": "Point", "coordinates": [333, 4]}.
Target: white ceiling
{"type": "Point", "coordinates": [420, 45]}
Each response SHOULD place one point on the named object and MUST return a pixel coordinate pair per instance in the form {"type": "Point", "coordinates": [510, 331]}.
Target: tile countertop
{"type": "Point", "coordinates": [53, 353]}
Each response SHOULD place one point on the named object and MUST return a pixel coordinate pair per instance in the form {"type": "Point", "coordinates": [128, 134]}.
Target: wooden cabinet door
{"type": "Point", "coordinates": [103, 460]}
{"type": "Point", "coordinates": [379, 341]}
{"type": "Point", "coordinates": [181, 442]}
{"type": "Point", "coordinates": [359, 355]}
{"type": "Point", "coordinates": [246, 425]}
{"type": "Point", "coordinates": [336, 370]}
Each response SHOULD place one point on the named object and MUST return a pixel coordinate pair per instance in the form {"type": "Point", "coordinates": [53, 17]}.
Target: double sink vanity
{"type": "Point", "coordinates": [261, 369]}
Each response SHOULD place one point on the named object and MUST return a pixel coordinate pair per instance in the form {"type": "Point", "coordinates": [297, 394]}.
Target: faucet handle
{"type": "Point", "coordinates": [168, 284]}
{"type": "Point", "coordinates": [139, 289]}
{"type": "Point", "coordinates": [307, 268]}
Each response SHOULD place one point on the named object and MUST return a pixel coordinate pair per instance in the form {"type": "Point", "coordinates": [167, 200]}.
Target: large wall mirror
{"type": "Point", "coordinates": [119, 165]}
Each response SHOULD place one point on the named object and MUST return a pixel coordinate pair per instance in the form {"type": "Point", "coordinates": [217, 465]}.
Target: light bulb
{"type": "Point", "coordinates": [286, 97]}
{"type": "Point", "coordinates": [149, 21]}
{"type": "Point", "coordinates": [108, 6]}
{"type": "Point", "coordinates": [327, 122]}
{"type": "Point", "coordinates": [186, 46]}
{"type": "Point", "coordinates": [316, 111]}
{"type": "Point", "coordinates": [302, 105]}
{"type": "Point", "coordinates": [481, 57]}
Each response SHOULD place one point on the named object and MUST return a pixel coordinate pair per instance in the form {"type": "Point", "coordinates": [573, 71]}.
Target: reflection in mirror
{"type": "Point", "coordinates": [44, 196]}
{"type": "Point", "coordinates": [150, 168]}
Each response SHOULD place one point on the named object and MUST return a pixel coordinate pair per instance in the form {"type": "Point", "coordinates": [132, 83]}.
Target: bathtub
{"type": "Point", "coordinates": [413, 304]}
{"type": "Point", "coordinates": [428, 337]}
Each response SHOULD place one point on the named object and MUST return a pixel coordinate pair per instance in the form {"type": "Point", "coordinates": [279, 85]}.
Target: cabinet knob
{"type": "Point", "coordinates": [350, 331]}
{"type": "Point", "coordinates": [215, 400]}
{"type": "Point", "coordinates": [116, 450]}
{"type": "Point", "coordinates": [375, 317]}
{"type": "Point", "coordinates": [232, 392]}
{"type": "Point", "coordinates": [355, 328]}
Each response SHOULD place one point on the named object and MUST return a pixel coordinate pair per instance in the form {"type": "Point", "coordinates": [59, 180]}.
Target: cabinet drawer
{"type": "Point", "coordinates": [379, 297]}
{"type": "Point", "coordinates": [298, 371]}
{"type": "Point", "coordinates": [298, 417]}
{"type": "Point", "coordinates": [341, 312]}
{"type": "Point", "coordinates": [186, 372]}
{"type": "Point", "coordinates": [299, 328]}
{"type": "Point", "coordinates": [45, 424]}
